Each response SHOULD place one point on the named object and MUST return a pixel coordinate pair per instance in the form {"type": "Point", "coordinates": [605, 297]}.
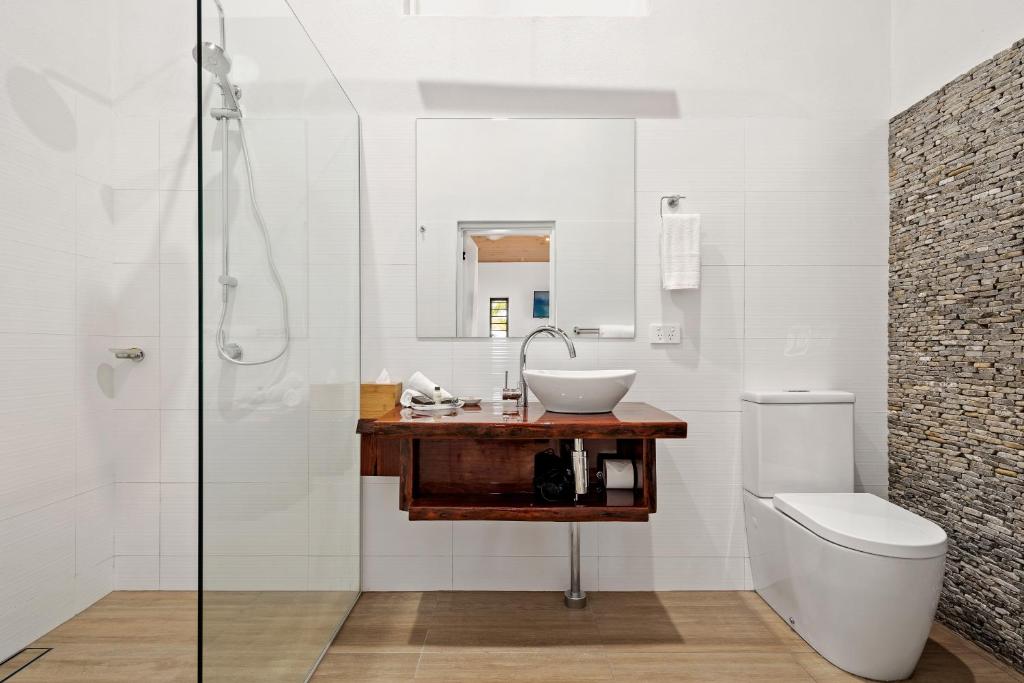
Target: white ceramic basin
{"type": "Point", "coordinates": [580, 391]}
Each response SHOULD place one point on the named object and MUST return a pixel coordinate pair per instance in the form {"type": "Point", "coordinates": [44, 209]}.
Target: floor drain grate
{"type": "Point", "coordinates": [19, 660]}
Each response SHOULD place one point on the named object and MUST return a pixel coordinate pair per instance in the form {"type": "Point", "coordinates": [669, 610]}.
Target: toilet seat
{"type": "Point", "coordinates": [865, 522]}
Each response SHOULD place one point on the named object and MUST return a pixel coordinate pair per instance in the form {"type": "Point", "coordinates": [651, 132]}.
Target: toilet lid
{"type": "Point", "coordinates": [865, 522]}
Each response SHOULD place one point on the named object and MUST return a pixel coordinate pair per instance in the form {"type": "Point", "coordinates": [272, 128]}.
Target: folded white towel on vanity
{"type": "Point", "coordinates": [680, 251]}
{"type": "Point", "coordinates": [420, 385]}
{"type": "Point", "coordinates": [616, 332]}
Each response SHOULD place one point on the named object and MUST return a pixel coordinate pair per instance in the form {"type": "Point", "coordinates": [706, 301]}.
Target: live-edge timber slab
{"type": "Point", "coordinates": [475, 464]}
{"type": "Point", "coordinates": [627, 421]}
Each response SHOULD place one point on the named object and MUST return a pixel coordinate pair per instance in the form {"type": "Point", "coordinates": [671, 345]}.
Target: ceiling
{"type": "Point", "coordinates": [516, 249]}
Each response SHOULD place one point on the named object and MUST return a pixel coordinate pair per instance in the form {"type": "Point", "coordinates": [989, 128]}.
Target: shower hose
{"type": "Point", "coordinates": [275, 275]}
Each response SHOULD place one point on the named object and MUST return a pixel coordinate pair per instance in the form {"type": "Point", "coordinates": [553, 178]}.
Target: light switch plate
{"type": "Point", "coordinates": [664, 333]}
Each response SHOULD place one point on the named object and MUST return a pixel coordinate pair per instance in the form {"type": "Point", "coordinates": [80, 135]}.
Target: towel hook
{"type": "Point", "coordinates": [673, 201]}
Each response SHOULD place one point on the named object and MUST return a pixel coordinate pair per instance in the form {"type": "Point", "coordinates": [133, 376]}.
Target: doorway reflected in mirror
{"type": "Point", "coordinates": [504, 266]}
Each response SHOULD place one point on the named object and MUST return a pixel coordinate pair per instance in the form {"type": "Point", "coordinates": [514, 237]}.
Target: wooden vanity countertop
{"type": "Point", "coordinates": [627, 421]}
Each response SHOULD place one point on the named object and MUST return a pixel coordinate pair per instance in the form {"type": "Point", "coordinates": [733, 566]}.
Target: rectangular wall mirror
{"type": "Point", "coordinates": [524, 222]}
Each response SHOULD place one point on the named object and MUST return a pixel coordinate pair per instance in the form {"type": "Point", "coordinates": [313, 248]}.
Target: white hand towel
{"type": "Point", "coordinates": [616, 331]}
{"type": "Point", "coordinates": [680, 251]}
{"type": "Point", "coordinates": [409, 394]}
{"type": "Point", "coordinates": [422, 386]}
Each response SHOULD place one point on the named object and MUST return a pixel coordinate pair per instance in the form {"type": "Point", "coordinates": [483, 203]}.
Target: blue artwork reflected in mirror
{"type": "Point", "coordinates": [541, 304]}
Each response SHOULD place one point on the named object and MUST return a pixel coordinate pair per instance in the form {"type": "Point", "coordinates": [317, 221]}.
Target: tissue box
{"type": "Point", "coordinates": [377, 399]}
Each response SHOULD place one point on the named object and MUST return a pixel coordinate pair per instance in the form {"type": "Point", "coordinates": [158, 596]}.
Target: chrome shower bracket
{"type": "Point", "coordinates": [221, 113]}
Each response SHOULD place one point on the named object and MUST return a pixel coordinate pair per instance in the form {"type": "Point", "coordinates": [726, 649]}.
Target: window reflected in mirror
{"type": "Point", "coordinates": [499, 317]}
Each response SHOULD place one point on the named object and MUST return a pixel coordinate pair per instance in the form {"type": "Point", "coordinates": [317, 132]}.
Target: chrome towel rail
{"type": "Point", "coordinates": [673, 202]}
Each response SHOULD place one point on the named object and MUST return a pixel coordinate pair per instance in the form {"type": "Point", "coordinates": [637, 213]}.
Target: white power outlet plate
{"type": "Point", "coordinates": [664, 333]}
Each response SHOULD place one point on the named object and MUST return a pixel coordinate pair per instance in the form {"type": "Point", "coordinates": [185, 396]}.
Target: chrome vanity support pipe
{"type": "Point", "coordinates": [575, 597]}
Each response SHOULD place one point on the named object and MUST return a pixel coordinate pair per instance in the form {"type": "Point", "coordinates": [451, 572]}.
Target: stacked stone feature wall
{"type": "Point", "coordinates": [956, 339]}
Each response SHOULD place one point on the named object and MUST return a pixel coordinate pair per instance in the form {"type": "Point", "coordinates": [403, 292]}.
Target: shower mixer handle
{"type": "Point", "coordinates": [134, 353]}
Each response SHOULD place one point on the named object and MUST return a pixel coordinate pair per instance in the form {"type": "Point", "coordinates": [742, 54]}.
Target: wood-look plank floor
{"type": "Point", "coordinates": [684, 636]}
{"type": "Point", "coordinates": [687, 636]}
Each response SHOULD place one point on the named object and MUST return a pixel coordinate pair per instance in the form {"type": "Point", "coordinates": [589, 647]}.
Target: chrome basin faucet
{"type": "Point", "coordinates": [520, 394]}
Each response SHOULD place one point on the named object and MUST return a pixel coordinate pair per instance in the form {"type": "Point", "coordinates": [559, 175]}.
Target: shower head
{"type": "Point", "coordinates": [213, 58]}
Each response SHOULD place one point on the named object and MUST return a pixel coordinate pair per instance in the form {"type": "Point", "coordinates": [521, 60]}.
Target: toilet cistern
{"type": "Point", "coordinates": [520, 394]}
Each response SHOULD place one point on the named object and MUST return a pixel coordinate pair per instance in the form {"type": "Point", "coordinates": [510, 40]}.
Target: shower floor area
{"type": "Point", "coordinates": [151, 636]}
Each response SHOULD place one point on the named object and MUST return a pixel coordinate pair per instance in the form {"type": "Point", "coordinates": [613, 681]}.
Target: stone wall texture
{"type": "Point", "coordinates": [956, 339]}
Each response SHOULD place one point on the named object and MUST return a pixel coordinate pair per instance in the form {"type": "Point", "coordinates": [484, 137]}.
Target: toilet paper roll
{"type": "Point", "coordinates": [619, 497]}
{"type": "Point", "coordinates": [622, 473]}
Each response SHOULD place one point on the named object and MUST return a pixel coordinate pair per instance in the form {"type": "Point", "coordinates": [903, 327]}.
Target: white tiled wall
{"type": "Point", "coordinates": [153, 436]}
{"type": "Point", "coordinates": [777, 137]}
{"type": "Point", "coordinates": [56, 315]}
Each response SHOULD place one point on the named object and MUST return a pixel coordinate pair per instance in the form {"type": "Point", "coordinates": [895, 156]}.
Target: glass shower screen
{"type": "Point", "coordinates": [279, 345]}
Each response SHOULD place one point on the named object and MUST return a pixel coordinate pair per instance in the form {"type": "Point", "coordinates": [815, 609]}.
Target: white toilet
{"type": "Point", "coordinates": [856, 576]}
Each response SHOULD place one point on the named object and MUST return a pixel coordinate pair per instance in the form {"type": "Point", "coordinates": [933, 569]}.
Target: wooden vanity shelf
{"type": "Point", "coordinates": [478, 464]}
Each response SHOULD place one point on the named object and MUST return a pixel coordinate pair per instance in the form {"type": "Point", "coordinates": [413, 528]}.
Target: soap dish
{"type": "Point", "coordinates": [471, 401]}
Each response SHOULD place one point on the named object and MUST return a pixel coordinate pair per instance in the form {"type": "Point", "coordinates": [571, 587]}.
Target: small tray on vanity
{"type": "Point", "coordinates": [436, 408]}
